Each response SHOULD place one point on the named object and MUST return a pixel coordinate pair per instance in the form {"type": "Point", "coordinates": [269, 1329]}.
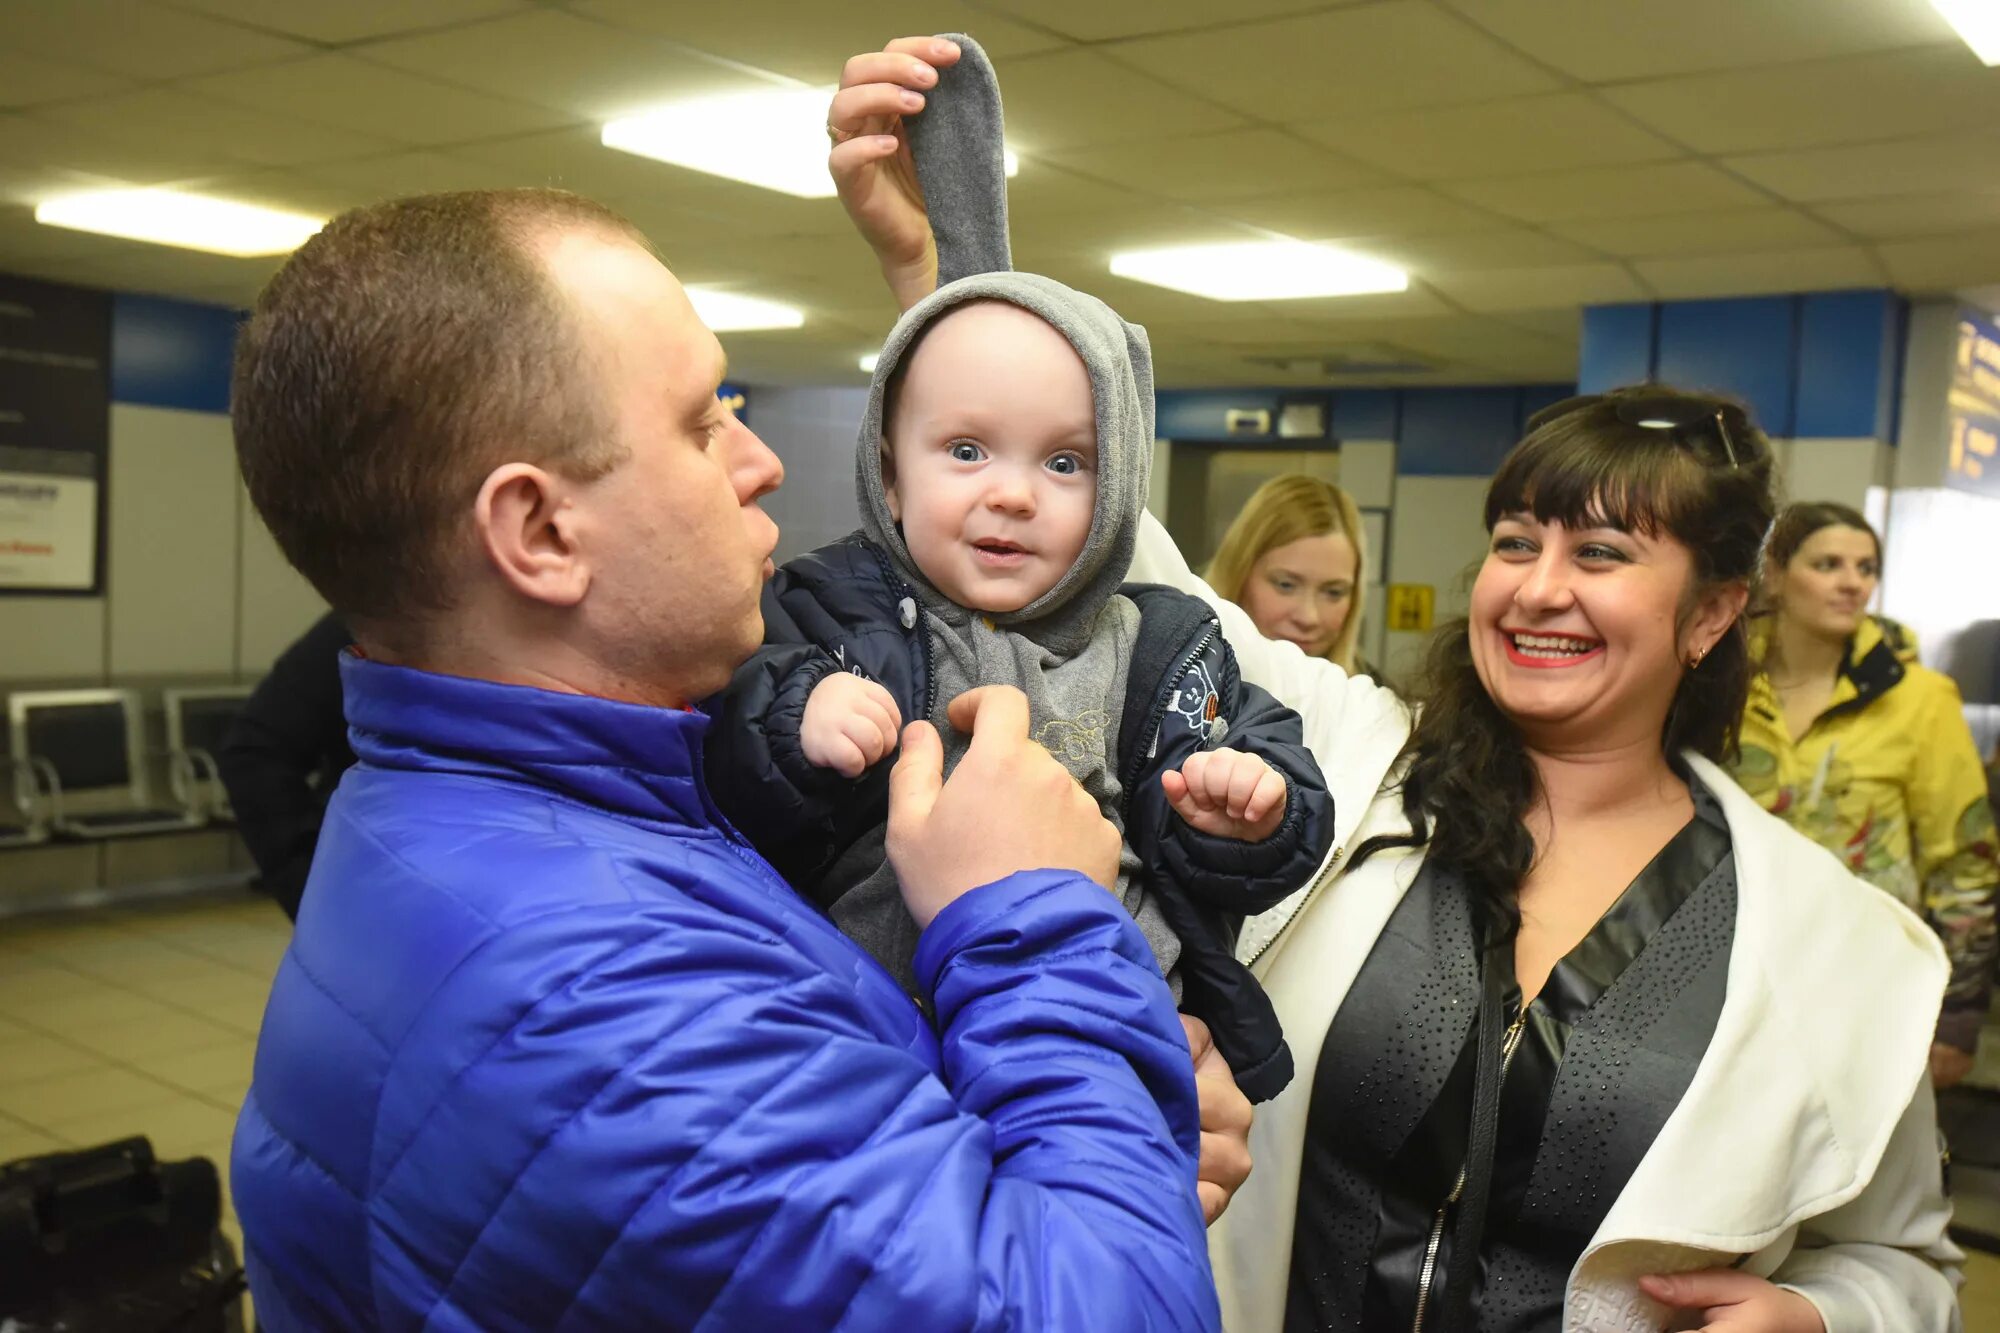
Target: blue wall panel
{"type": "Point", "coordinates": [1366, 414]}
{"type": "Point", "coordinates": [1848, 355]}
{"type": "Point", "coordinates": [1617, 347]}
{"type": "Point", "coordinates": [1200, 414]}
{"type": "Point", "coordinates": [1746, 347]}
{"type": "Point", "coordinates": [167, 353]}
{"type": "Point", "coordinates": [1457, 432]}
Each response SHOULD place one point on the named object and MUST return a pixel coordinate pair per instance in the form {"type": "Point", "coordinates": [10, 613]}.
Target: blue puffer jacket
{"type": "Point", "coordinates": [554, 1049]}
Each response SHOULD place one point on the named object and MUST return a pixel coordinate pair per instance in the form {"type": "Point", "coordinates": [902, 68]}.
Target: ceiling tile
{"type": "Point", "coordinates": [812, 41]}
{"type": "Point", "coordinates": [1417, 302]}
{"type": "Point", "coordinates": [395, 174]}
{"type": "Point", "coordinates": [1514, 247]}
{"type": "Point", "coordinates": [351, 94]}
{"type": "Point", "coordinates": [1896, 216]}
{"type": "Point", "coordinates": [1942, 263]}
{"type": "Point", "coordinates": [172, 120]}
{"type": "Point", "coordinates": [131, 37]}
{"type": "Point", "coordinates": [1374, 58]}
{"type": "Point", "coordinates": [1599, 41]}
{"type": "Point", "coordinates": [1397, 210]}
{"type": "Point", "coordinates": [1939, 163]}
{"type": "Point", "coordinates": [1102, 20]}
{"type": "Point", "coordinates": [1550, 132]}
{"type": "Point", "coordinates": [1750, 229]}
{"type": "Point", "coordinates": [1046, 241]}
{"type": "Point", "coordinates": [574, 159]}
{"type": "Point", "coordinates": [26, 80]}
{"type": "Point", "coordinates": [1540, 288]}
{"type": "Point", "coordinates": [1607, 192]}
{"type": "Point", "coordinates": [1877, 96]}
{"type": "Point", "coordinates": [350, 20]}
{"type": "Point", "coordinates": [28, 140]}
{"type": "Point", "coordinates": [1216, 166]}
{"type": "Point", "coordinates": [1820, 269]}
{"type": "Point", "coordinates": [1072, 98]}
{"type": "Point", "coordinates": [590, 70]}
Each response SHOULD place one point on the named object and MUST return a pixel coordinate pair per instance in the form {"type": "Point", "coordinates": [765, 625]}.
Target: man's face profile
{"type": "Point", "coordinates": [678, 546]}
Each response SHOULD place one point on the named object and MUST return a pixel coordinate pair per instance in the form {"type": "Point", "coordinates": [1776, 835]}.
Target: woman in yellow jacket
{"type": "Point", "coordinates": [1854, 743]}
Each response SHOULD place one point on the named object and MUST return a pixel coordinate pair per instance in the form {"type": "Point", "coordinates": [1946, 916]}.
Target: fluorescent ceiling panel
{"type": "Point", "coordinates": [1260, 270]}
{"type": "Point", "coordinates": [191, 221]}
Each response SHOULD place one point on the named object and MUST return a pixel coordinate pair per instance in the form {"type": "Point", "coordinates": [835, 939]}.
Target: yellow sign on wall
{"type": "Point", "coordinates": [1411, 606]}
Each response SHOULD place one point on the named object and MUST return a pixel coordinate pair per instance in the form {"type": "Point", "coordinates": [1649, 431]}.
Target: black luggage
{"type": "Point", "coordinates": [109, 1240]}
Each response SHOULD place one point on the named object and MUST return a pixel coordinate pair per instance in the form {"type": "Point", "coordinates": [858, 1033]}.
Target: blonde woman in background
{"type": "Point", "coordinates": [1293, 559]}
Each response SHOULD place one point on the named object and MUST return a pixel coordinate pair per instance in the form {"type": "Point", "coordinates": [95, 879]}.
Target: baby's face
{"type": "Point", "coordinates": [991, 461]}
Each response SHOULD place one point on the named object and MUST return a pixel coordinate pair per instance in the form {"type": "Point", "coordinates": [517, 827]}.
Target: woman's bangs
{"type": "Point", "coordinates": [1584, 480]}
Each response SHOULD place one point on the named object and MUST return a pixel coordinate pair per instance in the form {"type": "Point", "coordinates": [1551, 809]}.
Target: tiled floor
{"type": "Point", "coordinates": [136, 1021]}
{"type": "Point", "coordinates": [144, 1020]}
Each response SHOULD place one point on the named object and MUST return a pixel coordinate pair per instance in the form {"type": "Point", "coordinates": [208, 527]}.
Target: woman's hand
{"type": "Point", "coordinates": [871, 163]}
{"type": "Point", "coordinates": [1734, 1302]}
{"type": "Point", "coordinates": [1949, 1065]}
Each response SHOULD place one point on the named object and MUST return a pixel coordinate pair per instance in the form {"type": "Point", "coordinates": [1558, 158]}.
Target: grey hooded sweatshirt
{"type": "Point", "coordinates": [1070, 649]}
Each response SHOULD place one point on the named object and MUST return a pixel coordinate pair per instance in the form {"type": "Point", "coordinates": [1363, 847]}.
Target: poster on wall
{"type": "Point", "coordinates": [55, 427]}
{"type": "Point", "coordinates": [1974, 413]}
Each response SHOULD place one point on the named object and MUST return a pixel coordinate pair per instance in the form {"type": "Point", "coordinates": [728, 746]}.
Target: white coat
{"type": "Point", "coordinates": [1805, 1148]}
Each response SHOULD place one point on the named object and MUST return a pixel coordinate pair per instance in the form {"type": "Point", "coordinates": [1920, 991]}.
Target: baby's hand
{"type": "Point", "coordinates": [1227, 794]}
{"type": "Point", "coordinates": [850, 724]}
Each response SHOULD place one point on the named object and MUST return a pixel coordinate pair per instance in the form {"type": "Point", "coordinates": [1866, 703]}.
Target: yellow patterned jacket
{"type": "Point", "coordinates": [1887, 778]}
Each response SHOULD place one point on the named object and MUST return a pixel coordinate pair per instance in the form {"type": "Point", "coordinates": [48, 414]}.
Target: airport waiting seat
{"type": "Point", "coordinates": [26, 828]}
{"type": "Point", "coordinates": [198, 722]}
{"type": "Point", "coordinates": [85, 751]}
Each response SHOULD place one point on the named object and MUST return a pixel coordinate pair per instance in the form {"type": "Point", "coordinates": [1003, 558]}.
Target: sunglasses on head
{"type": "Point", "coordinates": [1690, 422]}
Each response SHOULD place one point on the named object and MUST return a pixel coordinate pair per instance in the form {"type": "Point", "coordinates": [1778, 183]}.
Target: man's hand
{"type": "Point", "coordinates": [1227, 794]}
{"type": "Point", "coordinates": [850, 724]}
{"type": "Point", "coordinates": [1225, 1124]}
{"type": "Point", "coordinates": [1949, 1065]}
{"type": "Point", "coordinates": [871, 163]}
{"type": "Point", "coordinates": [1734, 1302]}
{"type": "Point", "coordinates": [1008, 807]}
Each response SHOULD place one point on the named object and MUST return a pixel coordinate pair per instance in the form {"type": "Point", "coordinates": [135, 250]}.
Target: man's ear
{"type": "Point", "coordinates": [527, 528]}
{"type": "Point", "coordinates": [889, 494]}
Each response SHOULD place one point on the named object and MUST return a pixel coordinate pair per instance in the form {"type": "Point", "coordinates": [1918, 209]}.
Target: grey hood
{"type": "Point", "coordinates": [957, 146]}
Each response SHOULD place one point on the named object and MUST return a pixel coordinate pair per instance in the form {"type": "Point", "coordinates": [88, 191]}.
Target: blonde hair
{"type": "Point", "coordinates": [1284, 510]}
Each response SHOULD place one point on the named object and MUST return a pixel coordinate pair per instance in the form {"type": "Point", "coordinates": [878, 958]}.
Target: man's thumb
{"type": "Point", "coordinates": [918, 777]}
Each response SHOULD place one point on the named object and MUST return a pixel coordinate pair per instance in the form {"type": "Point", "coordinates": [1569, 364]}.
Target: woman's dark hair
{"type": "Point", "coordinates": [1649, 459]}
{"type": "Point", "coordinates": [1800, 521]}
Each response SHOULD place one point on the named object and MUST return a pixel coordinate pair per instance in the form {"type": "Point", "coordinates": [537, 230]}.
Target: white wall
{"type": "Point", "coordinates": [813, 430]}
{"type": "Point", "coordinates": [194, 586]}
{"type": "Point", "coordinates": [1436, 536]}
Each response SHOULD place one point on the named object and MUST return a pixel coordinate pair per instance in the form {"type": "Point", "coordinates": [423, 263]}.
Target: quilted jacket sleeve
{"type": "Point", "coordinates": [1239, 877]}
{"type": "Point", "coordinates": [696, 1124]}
{"type": "Point", "coordinates": [756, 767]}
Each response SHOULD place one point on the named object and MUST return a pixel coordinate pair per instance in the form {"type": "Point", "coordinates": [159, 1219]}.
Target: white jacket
{"type": "Point", "coordinates": [1807, 1139]}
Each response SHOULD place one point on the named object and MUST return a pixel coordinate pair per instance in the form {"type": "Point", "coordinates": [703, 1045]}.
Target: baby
{"type": "Point", "coordinates": [1001, 497]}
{"type": "Point", "coordinates": [1002, 472]}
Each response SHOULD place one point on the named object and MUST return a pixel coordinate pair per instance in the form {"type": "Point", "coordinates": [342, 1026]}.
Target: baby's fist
{"type": "Point", "coordinates": [1227, 794]}
{"type": "Point", "coordinates": [850, 724]}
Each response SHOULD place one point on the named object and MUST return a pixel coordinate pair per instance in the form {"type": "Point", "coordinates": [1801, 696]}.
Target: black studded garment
{"type": "Point", "coordinates": [1605, 1055]}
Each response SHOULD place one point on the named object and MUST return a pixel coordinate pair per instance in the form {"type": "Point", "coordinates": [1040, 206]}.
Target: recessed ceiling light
{"type": "Point", "coordinates": [771, 137]}
{"type": "Point", "coordinates": [870, 361]}
{"type": "Point", "coordinates": [1260, 270]}
{"type": "Point", "coordinates": [732, 312]}
{"type": "Point", "coordinates": [1977, 23]}
{"type": "Point", "coordinates": [171, 217]}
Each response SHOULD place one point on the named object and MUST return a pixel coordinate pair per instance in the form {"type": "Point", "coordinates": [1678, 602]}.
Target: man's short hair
{"type": "Point", "coordinates": [395, 360]}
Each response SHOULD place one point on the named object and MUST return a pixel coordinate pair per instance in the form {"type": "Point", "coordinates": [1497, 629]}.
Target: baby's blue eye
{"type": "Point", "coordinates": [967, 452]}
{"type": "Point", "coordinates": [1066, 465]}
